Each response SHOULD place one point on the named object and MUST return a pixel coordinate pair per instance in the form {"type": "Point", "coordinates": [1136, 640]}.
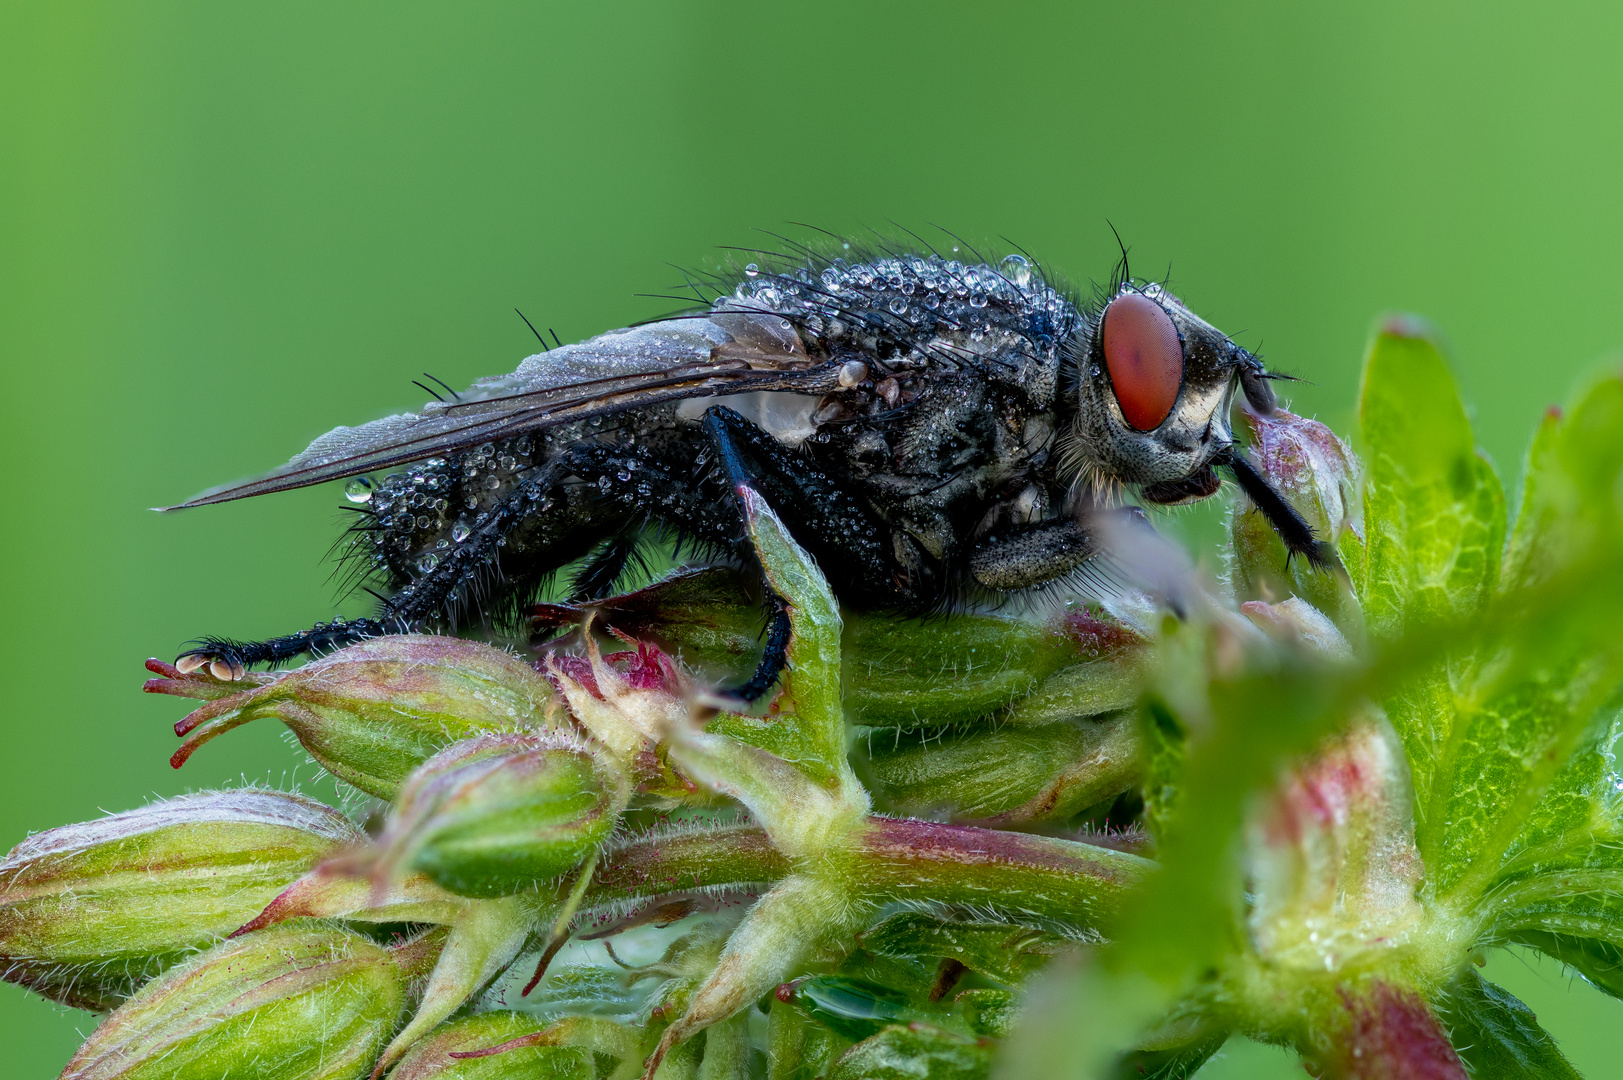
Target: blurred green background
{"type": "Point", "coordinates": [226, 228]}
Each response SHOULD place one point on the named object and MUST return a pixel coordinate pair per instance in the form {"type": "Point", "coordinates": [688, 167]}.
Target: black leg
{"type": "Point", "coordinates": [827, 519]}
{"type": "Point", "coordinates": [1292, 528]}
{"type": "Point", "coordinates": [557, 514]}
{"type": "Point", "coordinates": [596, 579]}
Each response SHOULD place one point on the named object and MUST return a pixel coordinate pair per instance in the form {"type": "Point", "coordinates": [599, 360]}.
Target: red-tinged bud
{"type": "Point", "coordinates": [373, 712]}
{"type": "Point", "coordinates": [90, 912]}
{"type": "Point", "coordinates": [1388, 1032]}
{"type": "Point", "coordinates": [627, 701]}
{"type": "Point", "coordinates": [282, 1004]}
{"type": "Point", "coordinates": [1332, 860]}
{"type": "Point", "coordinates": [494, 815]}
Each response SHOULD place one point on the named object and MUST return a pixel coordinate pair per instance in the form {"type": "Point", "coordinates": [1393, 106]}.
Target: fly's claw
{"type": "Point", "coordinates": [222, 658]}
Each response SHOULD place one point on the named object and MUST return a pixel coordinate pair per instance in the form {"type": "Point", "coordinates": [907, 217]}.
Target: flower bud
{"type": "Point", "coordinates": [281, 1004]}
{"type": "Point", "coordinates": [432, 1059]}
{"type": "Point", "coordinates": [492, 816]}
{"type": "Point", "coordinates": [89, 912]}
{"type": "Point", "coordinates": [373, 712]}
{"type": "Point", "coordinates": [897, 672]}
{"type": "Point", "coordinates": [1318, 475]}
{"type": "Point", "coordinates": [912, 673]}
{"type": "Point", "coordinates": [1332, 861]}
{"type": "Point", "coordinates": [1010, 775]}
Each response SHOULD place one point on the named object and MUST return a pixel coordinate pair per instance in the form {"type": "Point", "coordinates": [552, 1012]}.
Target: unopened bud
{"type": "Point", "coordinates": [1331, 857]}
{"type": "Point", "coordinates": [1318, 475]}
{"type": "Point", "coordinates": [494, 815]}
{"type": "Point", "coordinates": [916, 673]}
{"type": "Point", "coordinates": [373, 712]}
{"type": "Point", "coordinates": [1010, 775]}
{"type": "Point", "coordinates": [89, 912]}
{"type": "Point", "coordinates": [289, 1004]}
{"type": "Point", "coordinates": [435, 1057]}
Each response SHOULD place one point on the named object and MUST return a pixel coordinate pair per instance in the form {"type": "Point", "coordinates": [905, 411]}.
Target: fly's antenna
{"type": "Point", "coordinates": [454, 395]}
{"type": "Point", "coordinates": [544, 346]}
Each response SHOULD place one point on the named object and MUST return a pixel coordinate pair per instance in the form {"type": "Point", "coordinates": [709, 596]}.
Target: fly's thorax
{"type": "Point", "coordinates": [1154, 388]}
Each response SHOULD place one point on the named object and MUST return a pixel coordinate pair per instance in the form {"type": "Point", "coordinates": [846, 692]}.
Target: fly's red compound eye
{"type": "Point", "coordinates": [1145, 359]}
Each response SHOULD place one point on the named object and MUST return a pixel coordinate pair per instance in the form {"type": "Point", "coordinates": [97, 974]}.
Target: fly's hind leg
{"type": "Point", "coordinates": [451, 590]}
{"type": "Point", "coordinates": [227, 659]}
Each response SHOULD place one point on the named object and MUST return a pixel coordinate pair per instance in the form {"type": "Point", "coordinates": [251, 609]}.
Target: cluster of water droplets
{"type": "Point", "coordinates": [912, 294]}
{"type": "Point", "coordinates": [439, 503]}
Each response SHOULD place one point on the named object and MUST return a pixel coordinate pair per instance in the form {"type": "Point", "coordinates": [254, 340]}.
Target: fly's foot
{"type": "Point", "coordinates": [222, 658]}
{"type": "Point", "coordinates": [229, 660]}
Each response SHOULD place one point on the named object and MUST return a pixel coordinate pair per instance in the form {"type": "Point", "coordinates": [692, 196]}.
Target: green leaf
{"type": "Point", "coordinates": [1499, 1037]}
{"type": "Point", "coordinates": [1007, 953]}
{"type": "Point", "coordinates": [915, 1052]}
{"type": "Point", "coordinates": [1600, 962]}
{"type": "Point", "coordinates": [1434, 520]}
{"type": "Point", "coordinates": [1175, 1063]}
{"type": "Point", "coordinates": [1433, 509]}
{"type": "Point", "coordinates": [1578, 824]}
{"type": "Point", "coordinates": [1549, 658]}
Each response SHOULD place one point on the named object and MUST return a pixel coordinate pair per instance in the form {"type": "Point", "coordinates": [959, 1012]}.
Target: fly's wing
{"type": "Point", "coordinates": [724, 352]}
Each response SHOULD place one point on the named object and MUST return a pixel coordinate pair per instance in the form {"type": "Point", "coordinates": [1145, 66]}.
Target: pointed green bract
{"type": "Point", "coordinates": [1434, 514]}
{"type": "Point", "coordinates": [1499, 1037]}
{"type": "Point", "coordinates": [814, 647]}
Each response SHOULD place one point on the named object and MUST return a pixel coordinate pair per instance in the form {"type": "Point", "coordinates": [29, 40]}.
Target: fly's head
{"type": "Point", "coordinates": [1154, 387]}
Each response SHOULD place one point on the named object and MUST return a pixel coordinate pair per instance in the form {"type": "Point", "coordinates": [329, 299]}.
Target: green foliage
{"type": "Point", "coordinates": [1500, 1037]}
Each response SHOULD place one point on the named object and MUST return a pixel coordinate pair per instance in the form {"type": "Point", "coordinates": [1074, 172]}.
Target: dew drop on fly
{"type": "Point", "coordinates": [358, 490]}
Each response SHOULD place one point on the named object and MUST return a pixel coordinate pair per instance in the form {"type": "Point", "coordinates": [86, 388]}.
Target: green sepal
{"type": "Point", "coordinates": [1010, 775]}
{"type": "Point", "coordinates": [1499, 1037]}
{"type": "Point", "coordinates": [289, 1003]}
{"type": "Point", "coordinates": [988, 1011]}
